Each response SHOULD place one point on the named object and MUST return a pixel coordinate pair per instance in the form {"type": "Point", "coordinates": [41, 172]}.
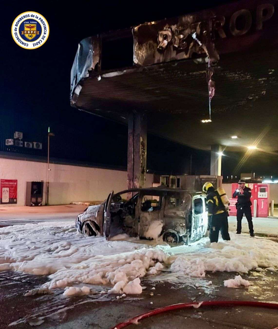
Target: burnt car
{"type": "Point", "coordinates": [174, 214]}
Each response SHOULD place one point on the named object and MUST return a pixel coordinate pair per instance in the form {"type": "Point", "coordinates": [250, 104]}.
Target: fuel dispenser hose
{"type": "Point", "coordinates": [193, 305]}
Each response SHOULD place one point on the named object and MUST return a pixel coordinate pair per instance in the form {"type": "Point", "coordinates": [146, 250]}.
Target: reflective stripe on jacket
{"type": "Point", "coordinates": [214, 203]}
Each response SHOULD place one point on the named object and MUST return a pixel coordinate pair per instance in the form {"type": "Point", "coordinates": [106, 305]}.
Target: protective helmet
{"type": "Point", "coordinates": [206, 186]}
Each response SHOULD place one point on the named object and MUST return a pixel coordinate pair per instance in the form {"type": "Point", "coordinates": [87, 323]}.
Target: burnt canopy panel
{"type": "Point", "coordinates": [168, 85]}
{"type": "Point", "coordinates": [175, 97]}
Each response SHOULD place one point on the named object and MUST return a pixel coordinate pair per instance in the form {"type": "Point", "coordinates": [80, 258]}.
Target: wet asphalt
{"type": "Point", "coordinates": [104, 311]}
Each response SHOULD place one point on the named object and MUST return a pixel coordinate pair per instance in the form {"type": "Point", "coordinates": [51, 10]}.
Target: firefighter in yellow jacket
{"type": "Point", "coordinates": [217, 212]}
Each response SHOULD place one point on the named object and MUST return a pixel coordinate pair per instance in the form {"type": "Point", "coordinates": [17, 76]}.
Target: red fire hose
{"type": "Point", "coordinates": [194, 305]}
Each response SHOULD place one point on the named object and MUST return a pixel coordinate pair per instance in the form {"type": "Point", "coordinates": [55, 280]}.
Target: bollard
{"type": "Point", "coordinates": [255, 209]}
{"type": "Point", "coordinates": [272, 208]}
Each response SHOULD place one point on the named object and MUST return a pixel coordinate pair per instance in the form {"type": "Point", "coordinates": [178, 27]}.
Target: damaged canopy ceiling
{"type": "Point", "coordinates": [171, 70]}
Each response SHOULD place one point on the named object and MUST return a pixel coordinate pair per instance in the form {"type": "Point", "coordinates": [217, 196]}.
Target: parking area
{"type": "Point", "coordinates": [19, 215]}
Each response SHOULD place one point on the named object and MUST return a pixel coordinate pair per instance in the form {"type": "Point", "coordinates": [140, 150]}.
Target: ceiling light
{"type": "Point", "coordinates": [220, 153]}
{"type": "Point", "coordinates": [252, 147]}
{"type": "Point", "coordinates": [206, 120]}
{"type": "Point", "coordinates": [234, 137]}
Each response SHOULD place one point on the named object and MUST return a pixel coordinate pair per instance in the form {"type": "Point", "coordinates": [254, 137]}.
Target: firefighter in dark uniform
{"type": "Point", "coordinates": [243, 206]}
{"type": "Point", "coordinates": [218, 215]}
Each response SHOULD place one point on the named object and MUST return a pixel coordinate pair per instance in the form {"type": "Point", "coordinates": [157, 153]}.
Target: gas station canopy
{"type": "Point", "coordinates": [171, 70]}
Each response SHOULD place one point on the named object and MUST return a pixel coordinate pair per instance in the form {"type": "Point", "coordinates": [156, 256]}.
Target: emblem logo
{"type": "Point", "coordinates": [30, 30]}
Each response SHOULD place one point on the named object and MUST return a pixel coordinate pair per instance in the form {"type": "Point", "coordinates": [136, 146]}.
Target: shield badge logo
{"type": "Point", "coordinates": [30, 30]}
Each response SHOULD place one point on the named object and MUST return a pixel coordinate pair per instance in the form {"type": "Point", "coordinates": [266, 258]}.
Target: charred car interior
{"type": "Point", "coordinates": [173, 214]}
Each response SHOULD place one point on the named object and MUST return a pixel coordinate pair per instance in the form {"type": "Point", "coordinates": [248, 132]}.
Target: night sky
{"type": "Point", "coordinates": [35, 87]}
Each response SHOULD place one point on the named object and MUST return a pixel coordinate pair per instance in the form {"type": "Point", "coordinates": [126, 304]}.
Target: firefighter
{"type": "Point", "coordinates": [217, 212]}
{"type": "Point", "coordinates": [243, 206]}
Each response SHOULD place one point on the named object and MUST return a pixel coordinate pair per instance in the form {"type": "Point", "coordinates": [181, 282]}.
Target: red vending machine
{"type": "Point", "coordinates": [263, 200]}
{"type": "Point", "coordinates": [233, 201]}
{"type": "Point", "coordinates": [253, 188]}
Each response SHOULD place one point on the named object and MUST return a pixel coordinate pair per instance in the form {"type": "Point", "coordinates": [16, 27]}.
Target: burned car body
{"type": "Point", "coordinates": [174, 214]}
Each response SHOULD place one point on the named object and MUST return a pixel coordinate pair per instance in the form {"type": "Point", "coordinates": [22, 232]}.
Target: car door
{"type": "Point", "coordinates": [107, 215]}
{"type": "Point", "coordinates": [199, 218]}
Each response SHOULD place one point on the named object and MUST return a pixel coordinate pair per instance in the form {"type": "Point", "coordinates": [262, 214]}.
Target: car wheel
{"type": "Point", "coordinates": [88, 230]}
{"type": "Point", "coordinates": [171, 237]}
